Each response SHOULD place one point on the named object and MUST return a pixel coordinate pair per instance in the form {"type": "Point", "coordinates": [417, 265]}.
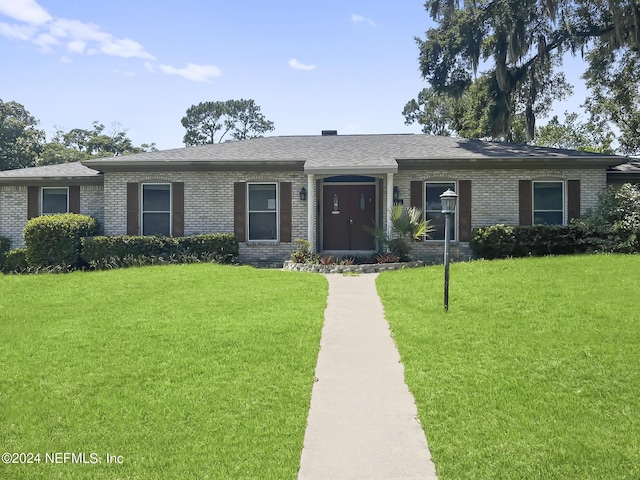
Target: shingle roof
{"type": "Point", "coordinates": [323, 154]}
{"type": "Point", "coordinates": [354, 152]}
{"type": "Point", "coordinates": [630, 167]}
{"type": "Point", "coordinates": [73, 170]}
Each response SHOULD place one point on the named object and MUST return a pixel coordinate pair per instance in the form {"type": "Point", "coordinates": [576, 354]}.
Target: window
{"type": "Point", "coordinates": [156, 209]}
{"type": "Point", "coordinates": [263, 211]}
{"type": "Point", "coordinates": [55, 200]}
{"type": "Point", "coordinates": [433, 209]}
{"type": "Point", "coordinates": [548, 203]}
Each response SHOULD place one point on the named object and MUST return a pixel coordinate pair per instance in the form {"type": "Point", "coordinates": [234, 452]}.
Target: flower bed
{"type": "Point", "coordinates": [337, 268]}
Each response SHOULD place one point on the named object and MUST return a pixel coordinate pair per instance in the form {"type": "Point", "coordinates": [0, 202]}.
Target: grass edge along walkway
{"type": "Point", "coordinates": [534, 371]}
{"type": "Point", "coordinates": [187, 371]}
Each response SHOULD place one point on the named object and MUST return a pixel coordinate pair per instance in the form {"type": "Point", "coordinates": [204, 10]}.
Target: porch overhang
{"type": "Point", "coordinates": [350, 169]}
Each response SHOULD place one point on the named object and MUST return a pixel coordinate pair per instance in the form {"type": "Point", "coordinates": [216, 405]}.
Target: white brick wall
{"type": "Point", "coordinates": [13, 209]}
{"type": "Point", "coordinates": [13, 213]}
{"type": "Point", "coordinates": [209, 202]}
{"type": "Point", "coordinates": [208, 206]}
{"type": "Point", "coordinates": [495, 197]}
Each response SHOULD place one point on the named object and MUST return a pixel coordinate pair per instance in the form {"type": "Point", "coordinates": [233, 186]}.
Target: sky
{"type": "Point", "coordinates": [345, 65]}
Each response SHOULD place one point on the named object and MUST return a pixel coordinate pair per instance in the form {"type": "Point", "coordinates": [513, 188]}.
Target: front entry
{"type": "Point", "coordinates": [347, 210]}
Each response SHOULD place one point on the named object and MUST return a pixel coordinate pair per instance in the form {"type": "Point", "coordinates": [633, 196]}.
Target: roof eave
{"type": "Point", "coordinates": [351, 169]}
{"type": "Point", "coordinates": [60, 180]}
{"type": "Point", "coordinates": [193, 165]}
{"type": "Point", "coordinates": [508, 162]}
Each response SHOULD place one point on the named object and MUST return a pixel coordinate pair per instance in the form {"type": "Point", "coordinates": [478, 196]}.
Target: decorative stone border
{"type": "Point", "coordinates": [365, 268]}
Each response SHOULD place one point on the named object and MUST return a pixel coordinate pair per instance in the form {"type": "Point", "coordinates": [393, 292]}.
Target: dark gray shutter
{"type": "Point", "coordinates": [524, 203]}
{"type": "Point", "coordinates": [573, 199]}
{"type": "Point", "coordinates": [240, 211]}
{"type": "Point", "coordinates": [417, 195]}
{"type": "Point", "coordinates": [285, 211]}
{"type": "Point", "coordinates": [74, 199]}
{"type": "Point", "coordinates": [464, 210]}
{"type": "Point", "coordinates": [177, 209]}
{"type": "Point", "coordinates": [33, 198]}
{"type": "Point", "coordinates": [133, 205]}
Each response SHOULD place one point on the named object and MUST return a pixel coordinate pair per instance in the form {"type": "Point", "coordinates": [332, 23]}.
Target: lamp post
{"type": "Point", "coordinates": [448, 200]}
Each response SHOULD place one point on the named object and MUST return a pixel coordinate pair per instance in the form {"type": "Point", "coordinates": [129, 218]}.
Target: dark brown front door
{"type": "Point", "coordinates": [347, 209]}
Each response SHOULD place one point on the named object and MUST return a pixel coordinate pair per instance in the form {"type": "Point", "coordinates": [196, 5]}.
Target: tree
{"type": "Point", "coordinates": [81, 144]}
{"type": "Point", "coordinates": [20, 139]}
{"type": "Point", "coordinates": [615, 90]}
{"type": "Point", "coordinates": [210, 122]}
{"type": "Point", "coordinates": [522, 43]}
{"type": "Point", "coordinates": [574, 134]}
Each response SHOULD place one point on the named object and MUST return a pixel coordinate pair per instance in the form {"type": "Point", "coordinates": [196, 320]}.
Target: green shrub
{"type": "Point", "coordinates": [5, 246]}
{"type": "Point", "coordinates": [495, 241]}
{"type": "Point", "coordinates": [303, 253]}
{"type": "Point", "coordinates": [502, 241]}
{"type": "Point", "coordinates": [614, 224]}
{"type": "Point", "coordinates": [103, 252]}
{"type": "Point", "coordinates": [15, 261]}
{"type": "Point", "coordinates": [54, 240]}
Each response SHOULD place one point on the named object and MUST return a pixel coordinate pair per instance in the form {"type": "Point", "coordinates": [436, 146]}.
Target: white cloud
{"type": "Point", "coordinates": [17, 32]}
{"type": "Point", "coordinates": [149, 67]}
{"type": "Point", "coordinates": [360, 19]}
{"type": "Point", "coordinates": [46, 42]}
{"type": "Point", "coordinates": [296, 65]}
{"type": "Point", "coordinates": [77, 46]}
{"type": "Point", "coordinates": [27, 11]}
{"type": "Point", "coordinates": [33, 24]}
{"type": "Point", "coordinates": [46, 32]}
{"type": "Point", "coordinates": [197, 73]}
{"type": "Point", "coordinates": [125, 48]}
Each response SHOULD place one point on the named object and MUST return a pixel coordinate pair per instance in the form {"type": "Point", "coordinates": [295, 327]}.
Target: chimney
{"type": "Point", "coordinates": [329, 133]}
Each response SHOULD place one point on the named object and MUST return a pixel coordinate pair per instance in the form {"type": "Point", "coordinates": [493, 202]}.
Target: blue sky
{"type": "Point", "coordinates": [346, 65]}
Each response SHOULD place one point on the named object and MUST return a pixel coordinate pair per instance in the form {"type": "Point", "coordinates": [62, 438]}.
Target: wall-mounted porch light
{"type": "Point", "coordinates": [303, 194]}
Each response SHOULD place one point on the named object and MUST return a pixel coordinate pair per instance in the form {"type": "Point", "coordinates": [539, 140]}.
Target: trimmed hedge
{"type": "Point", "coordinates": [502, 241]}
{"type": "Point", "coordinates": [103, 252]}
{"type": "Point", "coordinates": [54, 240]}
{"type": "Point", "coordinates": [5, 246]}
{"type": "Point", "coordinates": [15, 261]}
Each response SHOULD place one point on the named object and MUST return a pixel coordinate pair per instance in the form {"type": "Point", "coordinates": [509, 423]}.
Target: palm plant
{"type": "Point", "coordinates": [407, 226]}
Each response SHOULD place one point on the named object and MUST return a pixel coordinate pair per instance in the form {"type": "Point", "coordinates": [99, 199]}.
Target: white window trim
{"type": "Point", "coordinates": [456, 215]}
{"type": "Point", "coordinates": [143, 211]}
{"type": "Point", "coordinates": [248, 229]}
{"type": "Point", "coordinates": [533, 201]}
{"type": "Point", "coordinates": [42, 189]}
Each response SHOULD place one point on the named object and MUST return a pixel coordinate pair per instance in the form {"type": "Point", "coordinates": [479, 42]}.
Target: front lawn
{"type": "Point", "coordinates": [533, 373]}
{"type": "Point", "coordinates": [188, 371]}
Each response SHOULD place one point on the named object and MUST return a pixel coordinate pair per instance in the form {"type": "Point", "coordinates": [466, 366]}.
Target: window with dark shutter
{"type": "Point", "coordinates": [464, 210]}
{"type": "Point", "coordinates": [239, 211]}
{"type": "Point", "coordinates": [573, 199]}
{"type": "Point", "coordinates": [524, 203]}
{"type": "Point", "coordinates": [33, 198]}
{"type": "Point", "coordinates": [285, 212]}
{"type": "Point", "coordinates": [74, 199]}
{"type": "Point", "coordinates": [177, 209]}
{"type": "Point", "coordinates": [133, 203]}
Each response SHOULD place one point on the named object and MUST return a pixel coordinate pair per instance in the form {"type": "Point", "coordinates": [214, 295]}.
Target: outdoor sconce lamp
{"type": "Point", "coordinates": [448, 200]}
{"type": "Point", "coordinates": [303, 194]}
{"type": "Point", "coordinates": [396, 193]}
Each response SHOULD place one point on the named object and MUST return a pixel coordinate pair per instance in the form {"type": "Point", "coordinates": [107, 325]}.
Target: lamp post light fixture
{"type": "Point", "coordinates": [448, 200]}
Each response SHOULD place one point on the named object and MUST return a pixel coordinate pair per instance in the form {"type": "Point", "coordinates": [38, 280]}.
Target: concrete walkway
{"type": "Point", "coordinates": [362, 422]}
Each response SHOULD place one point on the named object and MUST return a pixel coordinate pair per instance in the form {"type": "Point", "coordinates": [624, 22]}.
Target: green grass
{"type": "Point", "coordinates": [189, 371]}
{"type": "Point", "coordinates": [533, 373]}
